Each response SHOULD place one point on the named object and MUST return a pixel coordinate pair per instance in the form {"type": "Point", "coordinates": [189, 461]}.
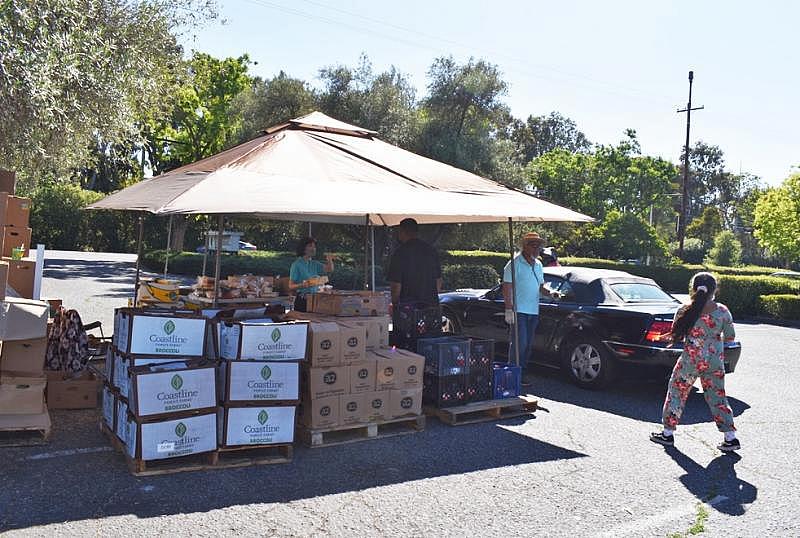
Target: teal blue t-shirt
{"type": "Point", "coordinates": [528, 280]}
{"type": "Point", "coordinates": [302, 270]}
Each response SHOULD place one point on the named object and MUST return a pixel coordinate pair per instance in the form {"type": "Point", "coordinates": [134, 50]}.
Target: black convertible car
{"type": "Point", "coordinates": [602, 319]}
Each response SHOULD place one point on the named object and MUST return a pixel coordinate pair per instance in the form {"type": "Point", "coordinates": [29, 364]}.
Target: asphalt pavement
{"type": "Point", "coordinates": [583, 466]}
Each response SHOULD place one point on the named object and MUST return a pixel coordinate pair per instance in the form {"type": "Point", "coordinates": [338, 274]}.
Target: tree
{"type": "Point", "coordinates": [706, 227]}
{"type": "Point", "coordinates": [623, 236]}
{"type": "Point", "coordinates": [73, 72]}
{"type": "Point", "coordinates": [727, 250]}
{"type": "Point", "coordinates": [777, 220]}
{"type": "Point", "coordinates": [541, 134]}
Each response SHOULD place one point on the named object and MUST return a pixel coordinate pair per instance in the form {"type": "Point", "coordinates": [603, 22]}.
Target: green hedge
{"type": "Point", "coordinates": [781, 306]}
{"type": "Point", "coordinates": [741, 293]}
{"type": "Point", "coordinates": [469, 276]}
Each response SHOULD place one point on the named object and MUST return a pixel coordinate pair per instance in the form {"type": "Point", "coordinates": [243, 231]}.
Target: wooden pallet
{"type": "Point", "coordinates": [488, 411]}
{"type": "Point", "coordinates": [246, 456]}
{"type": "Point", "coordinates": [342, 435]}
{"type": "Point", "coordinates": [24, 430]}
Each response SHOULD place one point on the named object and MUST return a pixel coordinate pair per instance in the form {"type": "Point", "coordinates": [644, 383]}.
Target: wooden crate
{"type": "Point", "coordinates": [354, 433]}
{"type": "Point", "coordinates": [24, 430]}
{"type": "Point", "coordinates": [488, 411]}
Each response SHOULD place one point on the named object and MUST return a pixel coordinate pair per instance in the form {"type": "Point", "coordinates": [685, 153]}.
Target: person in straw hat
{"type": "Point", "coordinates": [529, 282]}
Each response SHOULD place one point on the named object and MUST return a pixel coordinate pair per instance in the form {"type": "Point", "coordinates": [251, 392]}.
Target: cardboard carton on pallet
{"type": "Point", "coordinates": [255, 426]}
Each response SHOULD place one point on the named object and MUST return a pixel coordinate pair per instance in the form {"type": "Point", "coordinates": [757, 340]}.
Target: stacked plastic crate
{"type": "Point", "coordinates": [458, 370]}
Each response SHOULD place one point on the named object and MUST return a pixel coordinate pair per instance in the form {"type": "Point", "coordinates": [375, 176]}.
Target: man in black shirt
{"type": "Point", "coordinates": [415, 274]}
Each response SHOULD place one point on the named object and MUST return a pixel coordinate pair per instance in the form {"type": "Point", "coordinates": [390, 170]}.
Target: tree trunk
{"type": "Point", "coordinates": [179, 226]}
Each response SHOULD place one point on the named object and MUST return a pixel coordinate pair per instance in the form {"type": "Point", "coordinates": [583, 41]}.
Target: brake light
{"type": "Point", "coordinates": [658, 331]}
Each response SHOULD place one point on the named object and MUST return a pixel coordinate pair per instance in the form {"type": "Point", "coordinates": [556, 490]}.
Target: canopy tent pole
{"type": "Point", "coordinates": [207, 246]}
{"type": "Point", "coordinates": [366, 252]}
{"type": "Point", "coordinates": [515, 326]}
{"type": "Point", "coordinates": [218, 261]}
{"type": "Point", "coordinates": [138, 260]}
{"type": "Point", "coordinates": [169, 240]}
{"type": "Point", "coordinates": [372, 249]}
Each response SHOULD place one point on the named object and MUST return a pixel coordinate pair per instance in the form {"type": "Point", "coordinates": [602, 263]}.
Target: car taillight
{"type": "Point", "coordinates": [658, 331]}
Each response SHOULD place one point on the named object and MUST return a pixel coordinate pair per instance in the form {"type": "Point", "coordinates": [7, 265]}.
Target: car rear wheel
{"type": "Point", "coordinates": [588, 364]}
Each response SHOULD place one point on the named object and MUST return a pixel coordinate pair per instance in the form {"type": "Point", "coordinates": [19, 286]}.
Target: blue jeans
{"type": "Point", "coordinates": [526, 325]}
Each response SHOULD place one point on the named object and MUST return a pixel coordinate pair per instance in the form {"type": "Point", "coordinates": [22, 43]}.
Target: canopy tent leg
{"type": "Point", "coordinates": [372, 255]}
{"type": "Point", "coordinates": [169, 242]}
{"type": "Point", "coordinates": [218, 261]}
{"type": "Point", "coordinates": [515, 326]}
{"type": "Point", "coordinates": [138, 260]}
{"type": "Point", "coordinates": [366, 252]}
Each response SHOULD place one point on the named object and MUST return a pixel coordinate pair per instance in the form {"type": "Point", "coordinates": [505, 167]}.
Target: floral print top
{"type": "Point", "coordinates": [705, 341]}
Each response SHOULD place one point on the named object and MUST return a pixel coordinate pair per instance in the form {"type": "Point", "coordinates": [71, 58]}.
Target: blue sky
{"type": "Point", "coordinates": [607, 65]}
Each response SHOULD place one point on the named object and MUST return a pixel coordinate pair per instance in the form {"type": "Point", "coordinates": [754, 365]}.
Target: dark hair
{"type": "Point", "coordinates": [301, 246]}
{"type": "Point", "coordinates": [409, 226]}
{"type": "Point", "coordinates": [703, 286]}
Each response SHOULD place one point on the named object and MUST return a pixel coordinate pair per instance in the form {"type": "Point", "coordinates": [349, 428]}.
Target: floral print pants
{"type": "Point", "coordinates": [711, 372]}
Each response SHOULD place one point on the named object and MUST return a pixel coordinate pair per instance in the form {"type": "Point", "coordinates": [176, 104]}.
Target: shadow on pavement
{"type": "Point", "coordinates": [717, 480]}
{"type": "Point", "coordinates": [105, 270]}
{"type": "Point", "coordinates": [39, 489]}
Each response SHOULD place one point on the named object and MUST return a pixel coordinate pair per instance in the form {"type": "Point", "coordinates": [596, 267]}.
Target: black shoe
{"type": "Point", "coordinates": [661, 439]}
{"type": "Point", "coordinates": [730, 446]}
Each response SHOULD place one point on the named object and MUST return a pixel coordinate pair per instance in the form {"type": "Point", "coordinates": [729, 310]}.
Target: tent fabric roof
{"type": "Point", "coordinates": [316, 168]}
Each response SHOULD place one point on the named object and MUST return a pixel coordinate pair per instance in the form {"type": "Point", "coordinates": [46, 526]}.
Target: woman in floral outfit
{"type": "Point", "coordinates": [702, 326]}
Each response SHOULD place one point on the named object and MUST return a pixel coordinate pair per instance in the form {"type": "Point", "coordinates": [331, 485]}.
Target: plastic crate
{"type": "Point", "coordinates": [444, 391]}
{"type": "Point", "coordinates": [481, 356]}
{"type": "Point", "coordinates": [416, 320]}
{"type": "Point", "coordinates": [507, 380]}
{"type": "Point", "coordinates": [445, 356]}
{"type": "Point", "coordinates": [479, 386]}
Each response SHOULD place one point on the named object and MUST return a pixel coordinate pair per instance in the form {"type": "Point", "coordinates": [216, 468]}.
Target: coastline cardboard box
{"type": "Point", "coordinates": [173, 437]}
{"type": "Point", "coordinates": [23, 319]}
{"type": "Point", "coordinates": [352, 409]}
{"type": "Point", "coordinates": [405, 403]}
{"type": "Point", "coordinates": [14, 210]}
{"type": "Point", "coordinates": [354, 341]}
{"type": "Point", "coordinates": [122, 364]}
{"type": "Point", "coordinates": [21, 275]}
{"type": "Point", "coordinates": [164, 389]}
{"type": "Point", "coordinates": [377, 328]}
{"type": "Point", "coordinates": [243, 426]}
{"type": "Point", "coordinates": [376, 407]}
{"type": "Point", "coordinates": [71, 393]}
{"type": "Point", "coordinates": [362, 375]}
{"type": "Point", "coordinates": [121, 419]}
{"type": "Point", "coordinates": [263, 340]}
{"type": "Point", "coordinates": [321, 412]}
{"type": "Point", "coordinates": [399, 369]}
{"type": "Point", "coordinates": [324, 382]}
{"type": "Point", "coordinates": [8, 181]}
{"type": "Point", "coordinates": [22, 395]}
{"type": "Point", "coordinates": [23, 356]}
{"type": "Point", "coordinates": [109, 408]}
{"type": "Point", "coordinates": [324, 344]}
{"type": "Point", "coordinates": [16, 237]}
{"type": "Point", "coordinates": [257, 381]}
{"type": "Point", "coordinates": [141, 332]}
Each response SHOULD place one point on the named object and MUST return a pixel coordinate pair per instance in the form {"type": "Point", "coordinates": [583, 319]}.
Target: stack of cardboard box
{"type": "Point", "coordinates": [16, 234]}
{"type": "Point", "coordinates": [23, 331]}
{"type": "Point", "coordinates": [349, 303]}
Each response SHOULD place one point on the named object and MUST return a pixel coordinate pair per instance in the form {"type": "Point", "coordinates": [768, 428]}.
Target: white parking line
{"type": "Point", "coordinates": [71, 452]}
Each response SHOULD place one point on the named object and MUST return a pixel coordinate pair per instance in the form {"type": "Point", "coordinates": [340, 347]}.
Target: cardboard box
{"type": "Point", "coordinates": [354, 342]}
{"type": "Point", "coordinates": [160, 333]}
{"type": "Point", "coordinates": [21, 395]}
{"type": "Point", "coordinates": [23, 356]}
{"type": "Point", "coordinates": [377, 406]}
{"type": "Point", "coordinates": [246, 426]}
{"type": "Point", "coordinates": [20, 276]}
{"type": "Point", "coordinates": [349, 303]}
{"type": "Point", "coordinates": [36, 421]}
{"type": "Point", "coordinates": [22, 319]}
{"type": "Point", "coordinates": [14, 211]}
{"type": "Point", "coordinates": [8, 181]}
{"type": "Point", "coordinates": [108, 402]}
{"type": "Point", "coordinates": [4, 271]}
{"type": "Point", "coordinates": [172, 438]}
{"type": "Point", "coordinates": [71, 393]}
{"type": "Point", "coordinates": [377, 328]}
{"type": "Point", "coordinates": [123, 363]}
{"type": "Point", "coordinates": [324, 345]}
{"type": "Point", "coordinates": [165, 389]}
{"type": "Point", "coordinates": [258, 381]}
{"type": "Point", "coordinates": [399, 369]}
{"type": "Point", "coordinates": [362, 376]}
{"type": "Point", "coordinates": [352, 409]}
{"type": "Point", "coordinates": [321, 413]}
{"type": "Point", "coordinates": [325, 382]}
{"type": "Point", "coordinates": [16, 237]}
{"type": "Point", "coordinates": [405, 403]}
{"type": "Point", "coordinates": [263, 340]}
{"type": "Point", "coordinates": [121, 419]}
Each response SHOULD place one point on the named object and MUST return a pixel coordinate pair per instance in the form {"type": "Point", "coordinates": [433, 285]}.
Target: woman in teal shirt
{"type": "Point", "coordinates": [305, 267]}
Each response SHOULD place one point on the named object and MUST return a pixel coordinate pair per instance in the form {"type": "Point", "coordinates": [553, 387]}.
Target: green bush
{"type": "Point", "coordinates": [497, 260]}
{"type": "Point", "coordinates": [741, 293]}
{"type": "Point", "coordinates": [781, 306]}
{"type": "Point", "coordinates": [694, 251]}
{"type": "Point", "coordinates": [727, 250]}
{"type": "Point", "coordinates": [469, 276]}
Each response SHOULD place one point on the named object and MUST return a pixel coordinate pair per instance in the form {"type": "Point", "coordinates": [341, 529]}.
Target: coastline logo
{"type": "Point", "coordinates": [169, 327]}
{"type": "Point", "coordinates": [263, 417]}
{"type": "Point", "coordinates": [276, 335]}
{"type": "Point", "coordinates": [266, 373]}
{"type": "Point", "coordinates": [176, 382]}
{"type": "Point", "coordinates": [180, 429]}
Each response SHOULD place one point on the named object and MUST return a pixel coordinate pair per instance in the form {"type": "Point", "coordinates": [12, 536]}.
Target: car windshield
{"type": "Point", "coordinates": [641, 293]}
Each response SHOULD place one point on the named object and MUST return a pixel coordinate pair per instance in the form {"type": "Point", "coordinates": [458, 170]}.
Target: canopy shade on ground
{"type": "Point", "coordinates": [316, 168]}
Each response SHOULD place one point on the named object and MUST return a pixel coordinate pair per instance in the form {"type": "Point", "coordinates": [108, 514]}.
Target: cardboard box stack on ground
{"type": "Point", "coordinates": [23, 337]}
{"type": "Point", "coordinates": [349, 303]}
{"type": "Point", "coordinates": [16, 234]}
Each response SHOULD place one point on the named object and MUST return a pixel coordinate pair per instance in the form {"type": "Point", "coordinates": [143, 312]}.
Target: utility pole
{"type": "Point", "coordinates": [685, 189]}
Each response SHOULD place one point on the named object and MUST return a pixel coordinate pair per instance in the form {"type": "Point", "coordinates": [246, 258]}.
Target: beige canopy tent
{"type": "Point", "coordinates": [319, 169]}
